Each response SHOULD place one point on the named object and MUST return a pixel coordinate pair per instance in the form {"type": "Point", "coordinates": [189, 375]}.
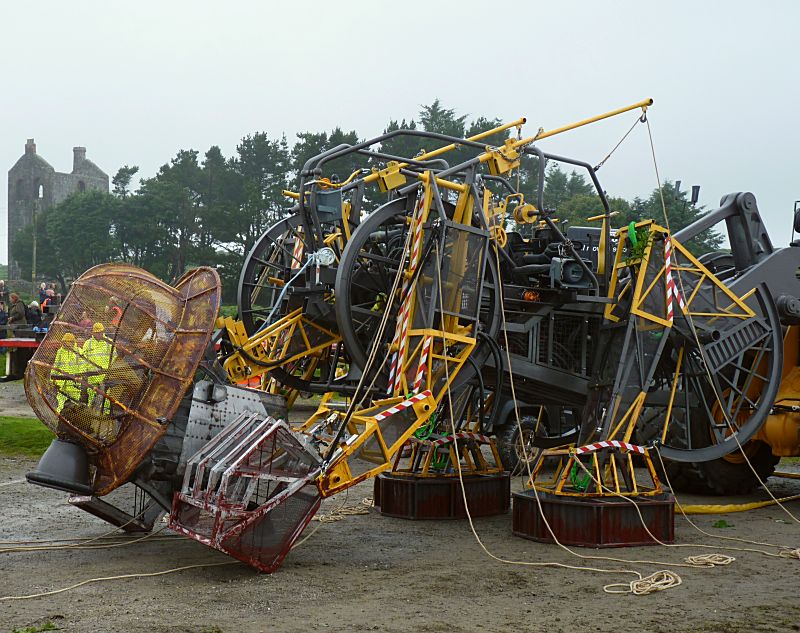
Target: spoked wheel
{"type": "Point", "coordinates": [726, 388]}
{"type": "Point", "coordinates": [723, 395]}
{"type": "Point", "coordinates": [273, 262]}
{"type": "Point", "coordinates": [269, 265]}
{"type": "Point", "coordinates": [366, 274]}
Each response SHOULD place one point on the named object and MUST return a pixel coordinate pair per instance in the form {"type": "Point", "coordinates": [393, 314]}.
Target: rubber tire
{"type": "Point", "coordinates": [506, 437]}
{"type": "Point", "coordinates": [721, 477]}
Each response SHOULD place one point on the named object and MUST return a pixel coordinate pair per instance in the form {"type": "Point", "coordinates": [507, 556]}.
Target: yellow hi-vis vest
{"type": "Point", "coordinates": [98, 356]}
{"type": "Point", "coordinates": [67, 363]}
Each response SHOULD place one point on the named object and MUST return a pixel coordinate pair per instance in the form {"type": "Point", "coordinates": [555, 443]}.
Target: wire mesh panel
{"type": "Point", "coordinates": [250, 492]}
{"type": "Point", "coordinates": [117, 361]}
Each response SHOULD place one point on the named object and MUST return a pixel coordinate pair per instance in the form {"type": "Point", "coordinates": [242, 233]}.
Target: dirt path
{"type": "Point", "coordinates": [372, 573]}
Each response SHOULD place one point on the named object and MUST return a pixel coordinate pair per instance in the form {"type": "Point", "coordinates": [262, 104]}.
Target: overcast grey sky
{"type": "Point", "coordinates": [137, 81]}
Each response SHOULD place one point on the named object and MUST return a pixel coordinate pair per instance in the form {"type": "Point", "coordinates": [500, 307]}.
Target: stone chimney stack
{"type": "Point", "coordinates": [30, 147]}
{"type": "Point", "coordinates": [78, 156]}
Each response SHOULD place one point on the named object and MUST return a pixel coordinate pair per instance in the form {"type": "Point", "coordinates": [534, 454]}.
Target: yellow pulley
{"type": "Point", "coordinates": [526, 213]}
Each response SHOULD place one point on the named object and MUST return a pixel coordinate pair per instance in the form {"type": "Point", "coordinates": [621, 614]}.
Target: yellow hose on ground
{"type": "Point", "coordinates": [742, 507]}
{"type": "Point", "coordinates": [734, 507]}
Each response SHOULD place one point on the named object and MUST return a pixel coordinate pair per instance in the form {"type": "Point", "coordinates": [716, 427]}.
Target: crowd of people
{"type": "Point", "coordinates": [36, 315]}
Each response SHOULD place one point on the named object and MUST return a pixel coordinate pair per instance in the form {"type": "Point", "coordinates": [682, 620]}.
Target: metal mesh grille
{"type": "Point", "coordinates": [132, 346]}
{"type": "Point", "coordinates": [250, 493]}
{"type": "Point", "coordinates": [563, 342]}
{"type": "Point", "coordinates": [265, 541]}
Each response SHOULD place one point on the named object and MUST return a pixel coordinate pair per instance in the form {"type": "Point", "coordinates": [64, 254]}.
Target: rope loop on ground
{"type": "Point", "coordinates": [658, 581]}
{"type": "Point", "coordinates": [345, 511]}
{"type": "Point", "coordinates": [790, 553]}
{"type": "Point", "coordinates": [709, 560]}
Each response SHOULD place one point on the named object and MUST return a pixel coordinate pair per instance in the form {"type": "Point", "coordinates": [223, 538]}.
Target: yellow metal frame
{"type": "Point", "coordinates": [363, 427]}
{"type": "Point", "coordinates": [272, 345]}
{"type": "Point", "coordinates": [613, 474]}
{"type": "Point", "coordinates": [623, 427]}
{"type": "Point", "coordinates": [423, 451]}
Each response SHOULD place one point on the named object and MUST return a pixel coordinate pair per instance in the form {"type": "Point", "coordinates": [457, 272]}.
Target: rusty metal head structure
{"type": "Point", "coordinates": [137, 345]}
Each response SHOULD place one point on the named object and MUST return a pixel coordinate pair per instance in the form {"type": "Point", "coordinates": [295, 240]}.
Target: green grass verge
{"type": "Point", "coordinates": [23, 436]}
{"type": "Point", "coordinates": [47, 626]}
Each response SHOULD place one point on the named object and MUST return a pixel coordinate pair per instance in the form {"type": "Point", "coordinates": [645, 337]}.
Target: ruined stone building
{"type": "Point", "coordinates": [33, 186]}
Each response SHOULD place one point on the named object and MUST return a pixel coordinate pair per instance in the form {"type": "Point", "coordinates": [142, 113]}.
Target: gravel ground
{"type": "Point", "coordinates": [373, 573]}
{"type": "Point", "coordinates": [13, 401]}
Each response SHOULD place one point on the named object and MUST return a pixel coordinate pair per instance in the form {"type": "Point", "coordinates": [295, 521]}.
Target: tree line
{"type": "Point", "coordinates": [210, 209]}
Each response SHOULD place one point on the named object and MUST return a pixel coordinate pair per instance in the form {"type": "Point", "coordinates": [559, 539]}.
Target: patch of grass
{"type": "Point", "coordinates": [722, 523]}
{"type": "Point", "coordinates": [24, 436]}
{"type": "Point", "coordinates": [47, 626]}
{"type": "Point", "coordinates": [2, 363]}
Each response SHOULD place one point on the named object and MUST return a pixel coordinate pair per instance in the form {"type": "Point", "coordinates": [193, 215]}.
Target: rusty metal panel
{"type": "Point", "coordinates": [249, 492]}
{"type": "Point", "coordinates": [594, 522]}
{"type": "Point", "coordinates": [410, 497]}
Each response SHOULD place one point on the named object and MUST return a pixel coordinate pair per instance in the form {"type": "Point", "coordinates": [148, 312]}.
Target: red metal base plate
{"type": "Point", "coordinates": [594, 522]}
{"type": "Point", "coordinates": [410, 497]}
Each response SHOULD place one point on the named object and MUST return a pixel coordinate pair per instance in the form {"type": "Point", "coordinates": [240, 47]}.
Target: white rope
{"type": "Point", "coordinates": [120, 577]}
{"type": "Point", "coordinates": [658, 581]}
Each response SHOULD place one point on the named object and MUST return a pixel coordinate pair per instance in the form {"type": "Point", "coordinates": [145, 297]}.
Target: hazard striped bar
{"type": "Point", "coordinates": [463, 435]}
{"type": "Point", "coordinates": [423, 364]}
{"type": "Point", "coordinates": [405, 404]}
{"type": "Point", "coordinates": [610, 444]}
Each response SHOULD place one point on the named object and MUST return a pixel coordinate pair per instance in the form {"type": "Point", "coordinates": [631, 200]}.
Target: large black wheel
{"type": "Point", "coordinates": [273, 262]}
{"type": "Point", "coordinates": [717, 412]}
{"type": "Point", "coordinates": [725, 389]}
{"type": "Point", "coordinates": [730, 475]}
{"type": "Point", "coordinates": [365, 277]}
{"type": "Point", "coordinates": [267, 267]}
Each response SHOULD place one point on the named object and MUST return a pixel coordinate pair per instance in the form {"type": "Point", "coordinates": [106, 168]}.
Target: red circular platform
{"type": "Point", "coordinates": [412, 497]}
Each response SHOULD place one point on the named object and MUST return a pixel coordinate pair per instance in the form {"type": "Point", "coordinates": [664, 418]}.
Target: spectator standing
{"type": "Point", "coordinates": [86, 323]}
{"type": "Point", "coordinates": [16, 314]}
{"type": "Point", "coordinates": [3, 319]}
{"type": "Point", "coordinates": [33, 315]}
{"type": "Point", "coordinates": [42, 292]}
{"type": "Point", "coordinates": [3, 293]}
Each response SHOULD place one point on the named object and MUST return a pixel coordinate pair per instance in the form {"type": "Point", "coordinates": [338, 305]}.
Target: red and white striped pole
{"type": "Point", "coordinates": [672, 290]}
{"type": "Point", "coordinates": [400, 339]}
{"type": "Point", "coordinates": [422, 367]}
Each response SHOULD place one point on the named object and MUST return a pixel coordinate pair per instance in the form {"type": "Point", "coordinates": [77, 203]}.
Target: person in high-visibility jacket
{"type": "Point", "coordinates": [98, 354]}
{"type": "Point", "coordinates": [67, 367]}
